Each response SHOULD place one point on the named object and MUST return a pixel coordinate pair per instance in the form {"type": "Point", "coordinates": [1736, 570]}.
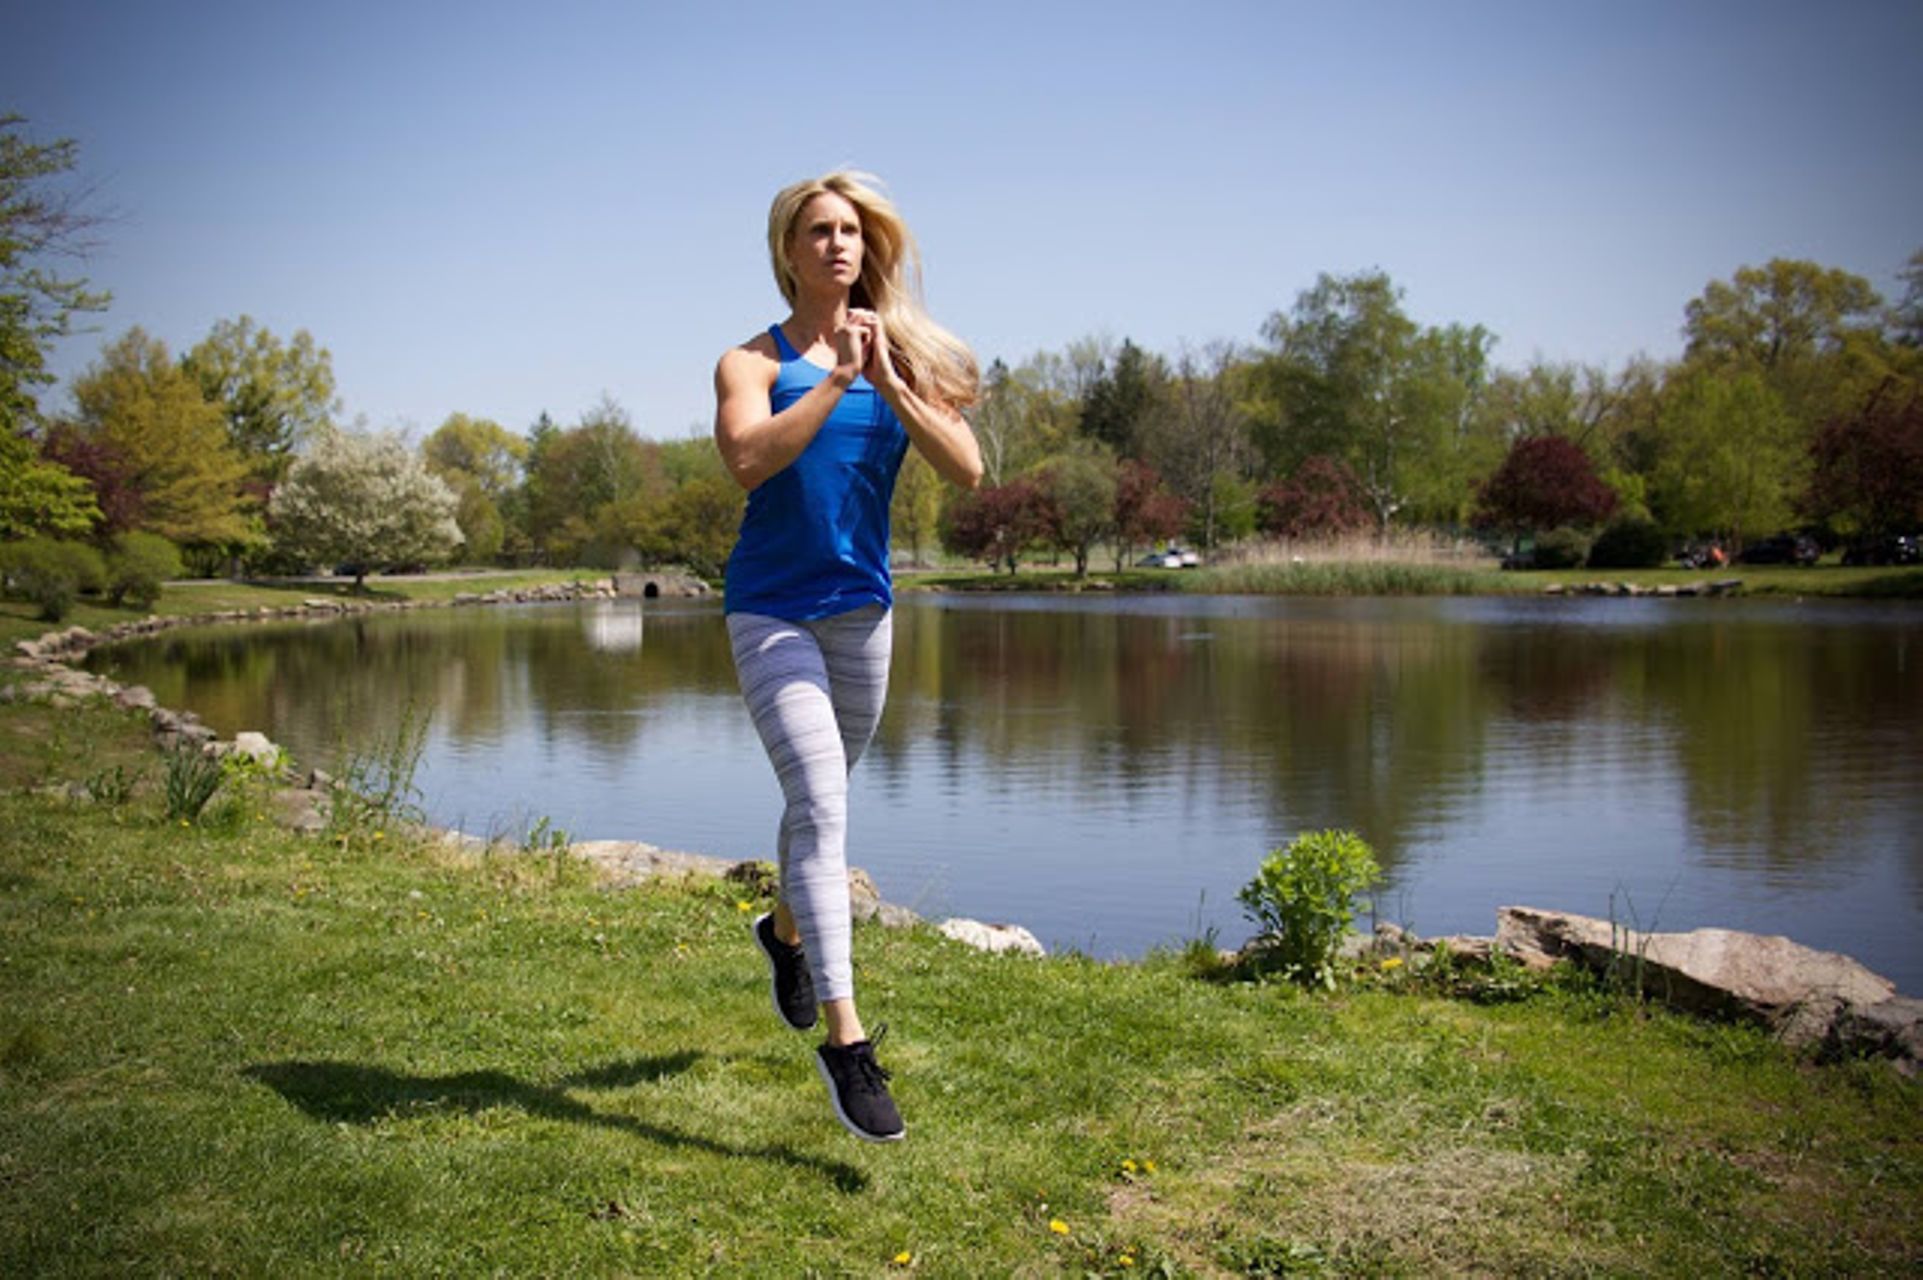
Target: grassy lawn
{"type": "Point", "coordinates": [20, 620]}
{"type": "Point", "coordinates": [224, 1050]}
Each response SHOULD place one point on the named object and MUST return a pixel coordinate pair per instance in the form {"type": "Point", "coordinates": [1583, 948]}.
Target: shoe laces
{"type": "Point", "coordinates": [872, 1073]}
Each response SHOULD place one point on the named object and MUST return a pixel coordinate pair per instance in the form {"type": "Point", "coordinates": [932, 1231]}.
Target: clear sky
{"type": "Point", "coordinates": [500, 208]}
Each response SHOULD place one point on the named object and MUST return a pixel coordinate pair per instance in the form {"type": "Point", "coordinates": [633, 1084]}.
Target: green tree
{"type": "Point", "coordinates": [1078, 500]}
{"type": "Point", "coordinates": [572, 475]}
{"type": "Point", "coordinates": [1199, 436]}
{"type": "Point", "coordinates": [172, 443]}
{"type": "Point", "coordinates": [1906, 318]}
{"type": "Point", "coordinates": [38, 496]}
{"type": "Point", "coordinates": [274, 394]}
{"type": "Point", "coordinates": [364, 500]}
{"type": "Point", "coordinates": [1123, 399]}
{"type": "Point", "coordinates": [481, 462]}
{"type": "Point", "coordinates": [1351, 376]}
{"type": "Point", "coordinates": [41, 219]}
{"type": "Point", "coordinates": [1730, 460]}
{"type": "Point", "coordinates": [914, 515]}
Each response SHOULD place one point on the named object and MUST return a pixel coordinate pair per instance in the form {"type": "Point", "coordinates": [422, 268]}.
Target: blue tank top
{"type": "Point", "coordinates": [814, 539]}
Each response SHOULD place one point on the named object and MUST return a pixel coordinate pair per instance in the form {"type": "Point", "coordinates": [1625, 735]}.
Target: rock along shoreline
{"type": "Point", "coordinates": [1805, 997]}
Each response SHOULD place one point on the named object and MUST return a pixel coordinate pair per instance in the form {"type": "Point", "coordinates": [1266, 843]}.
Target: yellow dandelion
{"type": "Point", "coordinates": [744, 906]}
{"type": "Point", "coordinates": [1148, 1166]}
{"type": "Point", "coordinates": [1059, 1227]}
{"type": "Point", "coordinates": [1125, 1260]}
{"type": "Point", "coordinates": [1128, 1166]}
{"type": "Point", "coordinates": [903, 1258]}
{"type": "Point", "coordinates": [1393, 962]}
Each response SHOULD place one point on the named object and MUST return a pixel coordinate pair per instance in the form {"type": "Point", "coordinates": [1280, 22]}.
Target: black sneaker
{"type": "Point", "coordinates": [858, 1088]}
{"type": "Point", "coordinates": [794, 988]}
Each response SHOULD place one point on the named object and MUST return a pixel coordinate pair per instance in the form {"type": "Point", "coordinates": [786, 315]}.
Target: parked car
{"type": "Point", "coordinates": [1186, 559]}
{"type": "Point", "coordinates": [1160, 560]}
{"type": "Point", "coordinates": [1896, 548]}
{"type": "Point", "coordinates": [1784, 548]}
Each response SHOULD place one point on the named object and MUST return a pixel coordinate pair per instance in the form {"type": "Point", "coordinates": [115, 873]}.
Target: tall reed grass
{"type": "Point", "coordinates": [1406, 563]}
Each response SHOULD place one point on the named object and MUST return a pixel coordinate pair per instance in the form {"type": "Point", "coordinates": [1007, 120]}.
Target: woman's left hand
{"type": "Point", "coordinates": [880, 367]}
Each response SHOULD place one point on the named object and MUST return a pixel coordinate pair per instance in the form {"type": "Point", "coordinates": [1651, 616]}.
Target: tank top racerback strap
{"type": "Point", "coordinates": [782, 344]}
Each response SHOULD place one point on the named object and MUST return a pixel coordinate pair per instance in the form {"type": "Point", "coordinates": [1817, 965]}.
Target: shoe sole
{"type": "Point", "coordinates": [834, 1100]}
{"type": "Point", "coordinates": [774, 996]}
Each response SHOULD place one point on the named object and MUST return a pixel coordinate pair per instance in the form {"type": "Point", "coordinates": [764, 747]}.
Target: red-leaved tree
{"type": "Point", "coordinates": [1322, 499]}
{"type": "Point", "coordinates": [996, 523]}
{"type": "Point", "coordinates": [1868, 472]}
{"type": "Point", "coordinates": [1545, 482]}
{"type": "Point", "coordinates": [1145, 511]}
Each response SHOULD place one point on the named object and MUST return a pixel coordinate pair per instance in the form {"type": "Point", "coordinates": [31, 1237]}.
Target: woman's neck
{"type": "Point", "coordinates": [818, 317]}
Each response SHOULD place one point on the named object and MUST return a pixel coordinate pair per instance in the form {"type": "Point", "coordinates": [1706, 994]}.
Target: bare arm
{"type": "Point", "coordinates": [756, 442]}
{"type": "Point", "coordinates": [941, 434]}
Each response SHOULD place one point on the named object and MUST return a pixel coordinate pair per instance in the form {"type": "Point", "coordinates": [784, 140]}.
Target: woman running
{"type": "Point", "coordinates": [813, 418]}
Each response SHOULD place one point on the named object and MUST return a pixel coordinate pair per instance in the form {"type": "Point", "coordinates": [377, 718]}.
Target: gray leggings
{"type": "Point", "coordinates": [815, 692]}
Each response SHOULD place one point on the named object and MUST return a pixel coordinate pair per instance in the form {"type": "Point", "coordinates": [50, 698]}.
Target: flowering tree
{"type": "Point", "coordinates": [365, 500]}
{"type": "Point", "coordinates": [1545, 482]}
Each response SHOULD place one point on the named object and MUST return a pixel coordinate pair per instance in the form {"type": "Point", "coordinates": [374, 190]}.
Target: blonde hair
{"type": "Point", "coordinates": [935, 363]}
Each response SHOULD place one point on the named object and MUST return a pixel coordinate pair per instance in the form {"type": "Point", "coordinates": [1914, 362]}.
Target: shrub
{"type": "Point", "coordinates": [1561, 549]}
{"type": "Point", "coordinates": [1304, 898]}
{"type": "Point", "coordinates": [139, 564]}
{"type": "Point", "coordinates": [52, 573]}
{"type": "Point", "coordinates": [1630, 542]}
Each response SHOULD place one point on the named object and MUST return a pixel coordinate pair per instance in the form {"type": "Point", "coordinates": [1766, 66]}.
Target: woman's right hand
{"type": "Point", "coordinates": [851, 352]}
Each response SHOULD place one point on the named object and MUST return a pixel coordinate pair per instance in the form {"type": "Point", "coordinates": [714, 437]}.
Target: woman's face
{"type": "Point", "coordinates": [825, 245]}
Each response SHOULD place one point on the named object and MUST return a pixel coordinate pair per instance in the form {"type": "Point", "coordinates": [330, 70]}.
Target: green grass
{"type": "Point", "coordinates": [1757, 580]}
{"type": "Point", "coordinates": [20, 620]}
{"type": "Point", "coordinates": [228, 1050]}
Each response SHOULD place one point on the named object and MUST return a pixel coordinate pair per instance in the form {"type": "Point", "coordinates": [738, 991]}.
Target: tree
{"type": "Point", "coordinates": [1321, 500]}
{"type": "Point", "coordinates": [40, 219]}
{"type": "Point", "coordinates": [274, 394]}
{"type": "Point", "coordinates": [364, 500]}
{"type": "Point", "coordinates": [1145, 511]}
{"type": "Point", "coordinates": [138, 403]}
{"type": "Point", "coordinates": [1773, 316]}
{"type": "Point", "coordinates": [477, 449]}
{"type": "Point", "coordinates": [995, 523]}
{"type": "Point", "coordinates": [915, 511]}
{"type": "Point", "coordinates": [1866, 477]}
{"type": "Point", "coordinates": [1729, 456]}
{"type": "Point", "coordinates": [1352, 376]}
{"type": "Point", "coordinates": [1078, 501]}
{"type": "Point", "coordinates": [573, 474]}
{"type": "Point", "coordinates": [1546, 482]}
{"type": "Point", "coordinates": [101, 465]}
{"type": "Point", "coordinates": [1201, 435]}
{"type": "Point", "coordinates": [1025, 414]}
{"type": "Point", "coordinates": [39, 496]}
{"type": "Point", "coordinates": [1122, 399]}
{"type": "Point", "coordinates": [1906, 318]}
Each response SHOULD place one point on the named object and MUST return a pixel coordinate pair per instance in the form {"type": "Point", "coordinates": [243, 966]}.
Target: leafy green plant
{"type": "Point", "coordinates": [192, 779]}
{"type": "Point", "coordinates": [51, 573]}
{"type": "Point", "coordinates": [112, 786]}
{"type": "Point", "coordinates": [1562, 548]}
{"type": "Point", "coordinates": [139, 563]}
{"type": "Point", "coordinates": [546, 838]}
{"type": "Point", "coordinates": [1304, 897]}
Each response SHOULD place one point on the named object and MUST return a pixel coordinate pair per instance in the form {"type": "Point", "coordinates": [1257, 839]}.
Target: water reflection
{"type": "Point", "coordinates": [1110, 770]}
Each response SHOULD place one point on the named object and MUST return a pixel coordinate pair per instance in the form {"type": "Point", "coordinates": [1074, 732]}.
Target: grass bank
{"type": "Point", "coordinates": [229, 1050]}
{"type": "Point", "coordinates": [20, 620]}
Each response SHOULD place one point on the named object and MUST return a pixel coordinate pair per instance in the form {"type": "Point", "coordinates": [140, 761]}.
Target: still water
{"type": "Point", "coordinates": [1108, 771]}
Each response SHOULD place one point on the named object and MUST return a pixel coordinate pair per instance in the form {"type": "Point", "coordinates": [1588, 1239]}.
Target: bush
{"type": "Point", "coordinates": [139, 564]}
{"type": "Point", "coordinates": [51, 573]}
{"type": "Point", "coordinates": [1560, 549]}
{"type": "Point", "coordinates": [1631, 542]}
{"type": "Point", "coordinates": [1303, 897]}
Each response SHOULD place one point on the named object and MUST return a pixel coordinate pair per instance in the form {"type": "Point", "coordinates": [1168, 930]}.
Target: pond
{"type": "Point", "coordinates": [1109, 770]}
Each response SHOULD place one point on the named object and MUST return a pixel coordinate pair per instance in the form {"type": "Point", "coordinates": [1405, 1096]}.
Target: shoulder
{"type": "Point", "coordinates": [755, 360]}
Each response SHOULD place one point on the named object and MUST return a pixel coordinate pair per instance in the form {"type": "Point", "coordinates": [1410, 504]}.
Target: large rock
{"type": "Point", "coordinates": [632, 861]}
{"type": "Point", "coordinates": [1795, 990]}
{"type": "Point", "coordinates": [1892, 1029]}
{"type": "Point", "coordinates": [992, 937]}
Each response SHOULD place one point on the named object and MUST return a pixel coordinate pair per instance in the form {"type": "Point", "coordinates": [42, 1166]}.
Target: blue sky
{"type": "Point", "coordinates": [500, 208]}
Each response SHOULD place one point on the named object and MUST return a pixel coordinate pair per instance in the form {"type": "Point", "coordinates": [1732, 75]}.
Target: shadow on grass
{"type": "Point", "coordinates": [353, 1093]}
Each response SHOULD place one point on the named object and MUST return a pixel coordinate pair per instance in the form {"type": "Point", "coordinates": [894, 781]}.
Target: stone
{"type": "Point", "coordinates": [1796, 991]}
{"type": "Point", "coordinates": [993, 938]}
{"type": "Point", "coordinates": [136, 697]}
{"type": "Point", "coordinates": [301, 809]}
{"type": "Point", "coordinates": [256, 747]}
{"type": "Point", "coordinates": [1892, 1028]}
{"type": "Point", "coordinates": [634, 862]}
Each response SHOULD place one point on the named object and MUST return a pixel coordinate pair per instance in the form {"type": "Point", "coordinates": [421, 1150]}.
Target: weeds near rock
{"type": "Point", "coordinates": [1304, 898]}
{"type": "Point", "coordinates": [375, 789]}
{"type": "Point", "coordinates": [192, 779]}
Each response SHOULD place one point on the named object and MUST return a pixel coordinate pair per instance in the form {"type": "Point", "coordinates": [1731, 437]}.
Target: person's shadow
{"type": "Point", "coordinates": [353, 1093]}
